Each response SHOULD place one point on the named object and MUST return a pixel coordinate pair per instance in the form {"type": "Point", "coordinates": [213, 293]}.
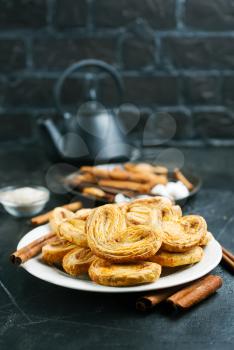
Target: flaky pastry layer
{"type": "Point", "coordinates": [73, 230]}
{"type": "Point", "coordinates": [117, 275]}
{"type": "Point", "coordinates": [53, 253]}
{"type": "Point", "coordinates": [59, 215]}
{"type": "Point", "coordinates": [170, 259]}
{"type": "Point", "coordinates": [77, 261]}
{"type": "Point", "coordinates": [110, 238]}
{"type": "Point", "coordinates": [184, 234]}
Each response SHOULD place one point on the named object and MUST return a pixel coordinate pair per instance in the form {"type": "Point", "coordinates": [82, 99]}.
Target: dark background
{"type": "Point", "coordinates": [174, 55]}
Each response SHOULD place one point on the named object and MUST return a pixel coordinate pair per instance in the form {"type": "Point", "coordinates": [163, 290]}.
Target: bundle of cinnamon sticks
{"type": "Point", "coordinates": [183, 298]}
{"type": "Point", "coordinates": [34, 248]}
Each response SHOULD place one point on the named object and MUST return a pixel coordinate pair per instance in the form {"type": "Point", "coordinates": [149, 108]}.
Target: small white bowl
{"type": "Point", "coordinates": [24, 210]}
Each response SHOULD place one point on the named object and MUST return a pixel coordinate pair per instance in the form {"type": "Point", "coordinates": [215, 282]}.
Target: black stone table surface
{"type": "Point", "coordinates": [38, 315]}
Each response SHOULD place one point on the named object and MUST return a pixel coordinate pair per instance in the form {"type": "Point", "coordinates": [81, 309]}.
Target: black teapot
{"type": "Point", "coordinates": [93, 135]}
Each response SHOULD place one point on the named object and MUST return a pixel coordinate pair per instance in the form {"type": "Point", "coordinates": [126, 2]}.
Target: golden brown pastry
{"type": "Point", "coordinates": [141, 177]}
{"type": "Point", "coordinates": [170, 259]}
{"type": "Point", "coordinates": [129, 166]}
{"type": "Point", "coordinates": [126, 244]}
{"type": "Point", "coordinates": [160, 170]}
{"type": "Point", "coordinates": [146, 168]}
{"type": "Point", "coordinates": [100, 172]}
{"type": "Point", "coordinates": [158, 180]}
{"type": "Point", "coordinates": [143, 215]}
{"type": "Point", "coordinates": [77, 261]}
{"type": "Point", "coordinates": [108, 274]}
{"type": "Point", "coordinates": [83, 214]}
{"type": "Point", "coordinates": [73, 230]}
{"type": "Point", "coordinates": [117, 174]}
{"type": "Point", "coordinates": [82, 178]}
{"type": "Point", "coordinates": [148, 211]}
{"type": "Point", "coordinates": [86, 169]}
{"type": "Point", "coordinates": [141, 167]}
{"type": "Point", "coordinates": [53, 253]}
{"type": "Point", "coordinates": [157, 201]}
{"type": "Point", "coordinates": [59, 215]}
{"type": "Point", "coordinates": [109, 237]}
{"type": "Point", "coordinates": [184, 234]}
{"type": "Point", "coordinates": [126, 185]}
{"type": "Point", "coordinates": [206, 239]}
{"type": "Point", "coordinates": [93, 191]}
{"type": "Point", "coordinates": [173, 213]}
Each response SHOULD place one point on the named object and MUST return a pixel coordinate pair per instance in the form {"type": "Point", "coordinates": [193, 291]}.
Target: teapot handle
{"type": "Point", "coordinates": [81, 64]}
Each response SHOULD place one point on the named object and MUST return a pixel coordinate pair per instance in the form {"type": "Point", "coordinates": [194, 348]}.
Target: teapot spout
{"type": "Point", "coordinates": [52, 138]}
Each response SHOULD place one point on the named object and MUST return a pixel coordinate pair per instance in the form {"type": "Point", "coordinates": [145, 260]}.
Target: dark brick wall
{"type": "Point", "coordinates": [175, 56]}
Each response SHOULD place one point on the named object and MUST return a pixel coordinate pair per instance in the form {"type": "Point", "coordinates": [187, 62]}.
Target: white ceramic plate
{"type": "Point", "coordinates": [35, 267]}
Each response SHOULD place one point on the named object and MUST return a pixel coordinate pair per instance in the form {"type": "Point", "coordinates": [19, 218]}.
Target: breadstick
{"type": "Point", "coordinates": [160, 170]}
{"type": "Point", "coordinates": [123, 175]}
{"type": "Point", "coordinates": [86, 169]}
{"type": "Point", "coordinates": [159, 180]}
{"type": "Point", "coordinates": [93, 191]}
{"type": "Point", "coordinates": [144, 167]}
{"type": "Point", "coordinates": [129, 166]}
{"type": "Point", "coordinates": [81, 178]}
{"type": "Point", "coordinates": [126, 185]}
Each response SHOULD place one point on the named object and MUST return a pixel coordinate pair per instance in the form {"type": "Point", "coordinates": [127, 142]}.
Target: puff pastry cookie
{"type": "Point", "coordinates": [148, 211]}
{"type": "Point", "coordinates": [108, 274]}
{"type": "Point", "coordinates": [184, 234]}
{"type": "Point", "coordinates": [173, 213]}
{"type": "Point", "coordinates": [126, 244]}
{"type": "Point", "coordinates": [206, 239]}
{"type": "Point", "coordinates": [83, 214]}
{"type": "Point", "coordinates": [54, 252]}
{"type": "Point", "coordinates": [77, 261]}
{"type": "Point", "coordinates": [109, 237]}
{"type": "Point", "coordinates": [59, 215]}
{"type": "Point", "coordinates": [73, 230]}
{"type": "Point", "coordinates": [169, 259]}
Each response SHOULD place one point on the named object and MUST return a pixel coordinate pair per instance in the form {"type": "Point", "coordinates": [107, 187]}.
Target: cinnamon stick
{"type": "Point", "coordinates": [32, 249]}
{"type": "Point", "coordinates": [228, 253]}
{"type": "Point", "coordinates": [42, 219]}
{"type": "Point", "coordinates": [179, 176]}
{"type": "Point", "coordinates": [149, 301]}
{"type": "Point", "coordinates": [228, 259]}
{"type": "Point", "coordinates": [196, 292]}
